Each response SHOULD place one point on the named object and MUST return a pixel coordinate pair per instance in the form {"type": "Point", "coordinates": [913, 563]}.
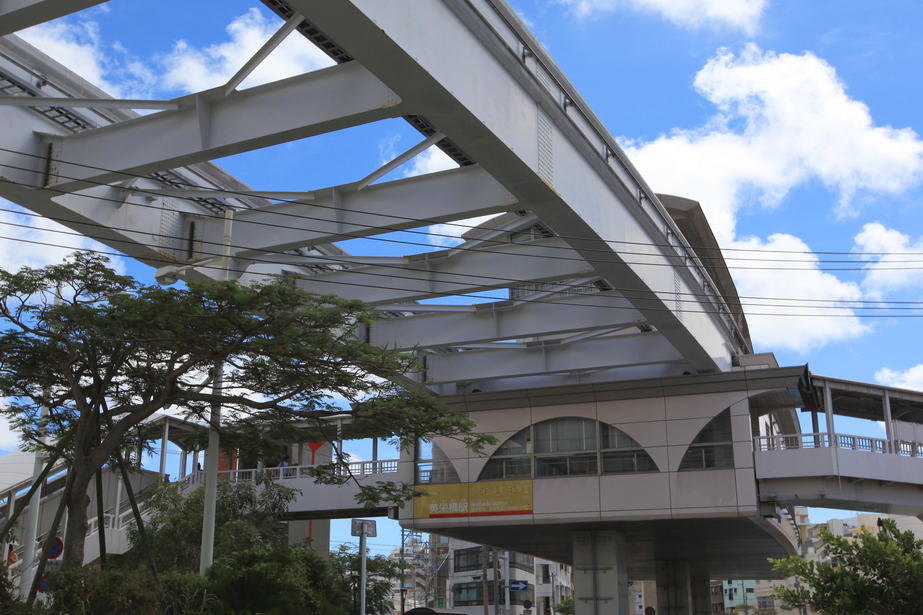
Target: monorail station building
{"type": "Point", "coordinates": [639, 435]}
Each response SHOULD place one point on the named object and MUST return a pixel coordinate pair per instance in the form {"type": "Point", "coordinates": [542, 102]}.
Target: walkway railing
{"type": "Point", "coordinates": [843, 441]}
{"type": "Point", "coordinates": [357, 468]}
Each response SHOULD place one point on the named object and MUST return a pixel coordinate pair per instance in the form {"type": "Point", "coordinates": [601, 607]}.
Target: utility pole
{"type": "Point", "coordinates": [211, 462]}
{"type": "Point", "coordinates": [496, 570]}
{"type": "Point", "coordinates": [484, 577]}
{"type": "Point", "coordinates": [403, 573]}
{"type": "Point", "coordinates": [363, 528]}
{"type": "Point", "coordinates": [506, 580]}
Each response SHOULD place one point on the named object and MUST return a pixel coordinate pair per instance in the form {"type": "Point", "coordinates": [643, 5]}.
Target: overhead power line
{"type": "Point", "coordinates": [494, 242]}
{"type": "Point", "coordinates": [422, 307]}
{"type": "Point", "coordinates": [431, 222]}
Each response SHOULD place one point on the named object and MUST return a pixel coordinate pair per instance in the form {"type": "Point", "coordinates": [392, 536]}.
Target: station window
{"type": "Point", "coordinates": [433, 465]}
{"type": "Point", "coordinates": [713, 447]}
{"type": "Point", "coordinates": [567, 447]}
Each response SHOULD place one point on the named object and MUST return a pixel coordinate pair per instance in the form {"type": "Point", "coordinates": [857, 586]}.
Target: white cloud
{"type": "Point", "coordinates": [449, 235]}
{"type": "Point", "coordinates": [9, 439]}
{"type": "Point", "coordinates": [908, 379]}
{"type": "Point", "coordinates": [782, 120]}
{"type": "Point", "coordinates": [387, 149]}
{"type": "Point", "coordinates": [429, 161]}
{"type": "Point", "coordinates": [740, 14]}
{"type": "Point", "coordinates": [36, 242]}
{"type": "Point", "coordinates": [191, 69]}
{"type": "Point", "coordinates": [886, 273]}
{"type": "Point", "coordinates": [829, 321]}
{"type": "Point", "coordinates": [185, 69]}
{"type": "Point", "coordinates": [79, 48]}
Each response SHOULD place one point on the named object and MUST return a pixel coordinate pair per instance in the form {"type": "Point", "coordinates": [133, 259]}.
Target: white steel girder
{"type": "Point", "coordinates": [345, 212]}
{"type": "Point", "coordinates": [506, 320]}
{"type": "Point", "coordinates": [592, 354]}
{"type": "Point", "coordinates": [469, 78]}
{"type": "Point", "coordinates": [433, 274]}
{"type": "Point", "coordinates": [211, 125]}
{"type": "Point", "coordinates": [476, 75]}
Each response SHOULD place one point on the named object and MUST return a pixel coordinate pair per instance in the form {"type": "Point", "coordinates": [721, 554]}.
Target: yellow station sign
{"type": "Point", "coordinates": [507, 497]}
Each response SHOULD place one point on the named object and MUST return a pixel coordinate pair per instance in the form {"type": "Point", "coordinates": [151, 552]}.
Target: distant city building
{"type": "Point", "coordinates": [448, 573]}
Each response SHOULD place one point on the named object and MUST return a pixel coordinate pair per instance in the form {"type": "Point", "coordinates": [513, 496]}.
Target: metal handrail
{"type": "Point", "coordinates": [359, 468]}
{"type": "Point", "coordinates": [841, 441]}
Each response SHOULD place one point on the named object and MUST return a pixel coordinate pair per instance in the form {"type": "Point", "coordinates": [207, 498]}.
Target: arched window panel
{"type": "Point", "coordinates": [613, 437]}
{"type": "Point", "coordinates": [507, 468]}
{"type": "Point", "coordinates": [567, 465]}
{"type": "Point", "coordinates": [433, 465]}
{"type": "Point", "coordinates": [627, 462]}
{"type": "Point", "coordinates": [713, 447]}
{"type": "Point", "coordinates": [564, 435]}
{"type": "Point", "coordinates": [520, 444]}
{"type": "Point", "coordinates": [717, 430]}
{"type": "Point", "coordinates": [629, 457]}
{"type": "Point", "coordinates": [567, 446]}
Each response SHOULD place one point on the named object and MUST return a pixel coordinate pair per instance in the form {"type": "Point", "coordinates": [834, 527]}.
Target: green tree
{"type": "Point", "coordinates": [565, 607]}
{"type": "Point", "coordinates": [275, 581]}
{"type": "Point", "coordinates": [246, 518]}
{"type": "Point", "coordinates": [114, 352]}
{"type": "Point", "coordinates": [381, 574]}
{"type": "Point", "coordinates": [876, 574]}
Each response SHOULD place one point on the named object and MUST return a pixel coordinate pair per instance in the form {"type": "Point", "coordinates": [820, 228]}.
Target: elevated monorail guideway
{"type": "Point", "coordinates": [578, 218]}
{"type": "Point", "coordinates": [604, 284]}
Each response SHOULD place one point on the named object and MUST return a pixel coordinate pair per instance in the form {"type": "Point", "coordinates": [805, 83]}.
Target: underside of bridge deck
{"type": "Point", "coordinates": [727, 548]}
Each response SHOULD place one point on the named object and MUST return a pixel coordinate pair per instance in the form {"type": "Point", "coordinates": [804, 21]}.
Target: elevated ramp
{"type": "Point", "coordinates": [317, 501]}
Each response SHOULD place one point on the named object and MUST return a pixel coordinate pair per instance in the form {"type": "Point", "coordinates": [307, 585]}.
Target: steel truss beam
{"type": "Point", "coordinates": [592, 354]}
{"type": "Point", "coordinates": [433, 274]}
{"type": "Point", "coordinates": [209, 125]}
{"type": "Point", "coordinates": [581, 377]}
{"type": "Point", "coordinates": [568, 180]}
{"type": "Point", "coordinates": [507, 320]}
{"type": "Point", "coordinates": [539, 150]}
{"type": "Point", "coordinates": [344, 212]}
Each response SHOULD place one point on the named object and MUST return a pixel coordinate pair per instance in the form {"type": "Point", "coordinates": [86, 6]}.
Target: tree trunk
{"type": "Point", "coordinates": [101, 518]}
{"type": "Point", "coordinates": [77, 520]}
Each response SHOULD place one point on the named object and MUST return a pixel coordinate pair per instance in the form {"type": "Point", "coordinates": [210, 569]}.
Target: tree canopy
{"type": "Point", "coordinates": [875, 574]}
{"type": "Point", "coordinates": [103, 353]}
{"type": "Point", "coordinates": [246, 518]}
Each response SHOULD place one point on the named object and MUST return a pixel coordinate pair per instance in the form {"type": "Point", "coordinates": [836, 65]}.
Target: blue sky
{"type": "Point", "coordinates": [796, 125]}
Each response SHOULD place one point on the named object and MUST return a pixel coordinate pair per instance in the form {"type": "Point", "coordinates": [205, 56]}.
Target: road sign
{"type": "Point", "coordinates": [370, 530]}
{"type": "Point", "coordinates": [527, 604]}
{"type": "Point", "coordinates": [57, 547]}
{"type": "Point", "coordinates": [53, 565]}
{"type": "Point", "coordinates": [519, 586]}
{"type": "Point", "coordinates": [440, 603]}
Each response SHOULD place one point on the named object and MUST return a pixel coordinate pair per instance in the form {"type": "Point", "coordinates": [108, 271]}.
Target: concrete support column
{"type": "Point", "coordinates": [10, 506]}
{"type": "Point", "coordinates": [889, 425]}
{"type": "Point", "coordinates": [600, 573]}
{"type": "Point", "coordinates": [164, 442]}
{"type": "Point", "coordinates": [674, 591]}
{"type": "Point", "coordinates": [828, 409]}
{"type": "Point", "coordinates": [701, 594]}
